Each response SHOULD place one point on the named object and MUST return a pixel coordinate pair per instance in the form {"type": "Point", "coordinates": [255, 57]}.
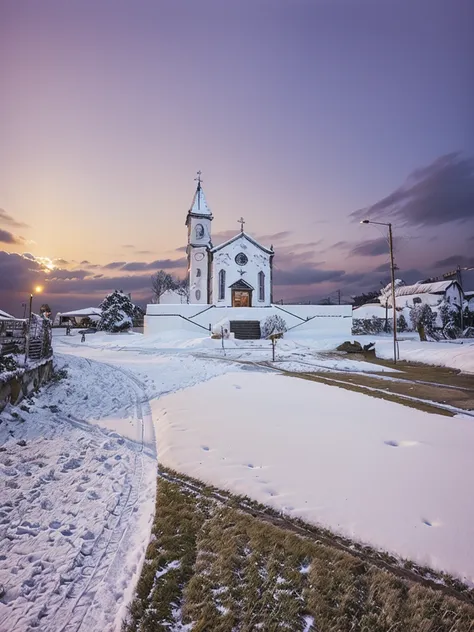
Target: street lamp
{"type": "Point", "coordinates": [37, 290]}
{"type": "Point", "coordinates": [392, 275]}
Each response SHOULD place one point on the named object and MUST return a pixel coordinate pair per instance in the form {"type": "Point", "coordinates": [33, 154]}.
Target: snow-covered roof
{"type": "Point", "coordinates": [242, 235]}
{"type": "Point", "coordinates": [423, 288]}
{"type": "Point", "coordinates": [369, 310]}
{"type": "Point", "coordinates": [199, 205]}
{"type": "Point", "coordinates": [87, 311]}
{"type": "Point", "coordinates": [5, 315]}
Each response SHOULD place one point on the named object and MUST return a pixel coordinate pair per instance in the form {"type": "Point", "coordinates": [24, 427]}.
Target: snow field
{"type": "Point", "coordinates": [397, 478]}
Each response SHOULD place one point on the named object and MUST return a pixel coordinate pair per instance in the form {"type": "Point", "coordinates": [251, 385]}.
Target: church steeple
{"type": "Point", "coordinates": [199, 205]}
{"type": "Point", "coordinates": [198, 221]}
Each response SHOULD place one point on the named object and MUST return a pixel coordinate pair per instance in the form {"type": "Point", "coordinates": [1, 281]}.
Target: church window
{"type": "Point", "coordinates": [241, 259]}
{"type": "Point", "coordinates": [198, 272]}
{"type": "Point", "coordinates": [199, 231]}
{"type": "Point", "coordinates": [261, 286]}
{"type": "Point", "coordinates": [221, 285]}
{"type": "Point", "coordinates": [198, 294]}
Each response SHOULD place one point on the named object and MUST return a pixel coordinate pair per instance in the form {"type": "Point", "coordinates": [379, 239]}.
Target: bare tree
{"type": "Point", "coordinates": [161, 282]}
{"type": "Point", "coordinates": [181, 288]}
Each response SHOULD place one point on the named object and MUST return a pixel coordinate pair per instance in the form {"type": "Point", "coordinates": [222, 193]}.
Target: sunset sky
{"type": "Point", "coordinates": [303, 115]}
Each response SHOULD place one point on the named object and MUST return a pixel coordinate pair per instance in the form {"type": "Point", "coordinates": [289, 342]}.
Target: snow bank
{"type": "Point", "coordinates": [397, 478]}
{"type": "Point", "coordinates": [454, 355]}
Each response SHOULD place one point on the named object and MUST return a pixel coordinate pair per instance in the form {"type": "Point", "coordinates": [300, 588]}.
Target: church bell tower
{"type": "Point", "coordinates": [198, 221]}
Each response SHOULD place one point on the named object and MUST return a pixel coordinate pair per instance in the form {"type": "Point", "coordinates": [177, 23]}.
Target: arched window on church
{"type": "Point", "coordinates": [198, 272]}
{"type": "Point", "coordinates": [261, 286]}
{"type": "Point", "coordinates": [221, 285]}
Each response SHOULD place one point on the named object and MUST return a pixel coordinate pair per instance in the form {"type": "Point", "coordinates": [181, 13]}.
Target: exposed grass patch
{"type": "Point", "coordinates": [215, 564]}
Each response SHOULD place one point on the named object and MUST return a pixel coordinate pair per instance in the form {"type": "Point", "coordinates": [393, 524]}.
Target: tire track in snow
{"type": "Point", "coordinates": [92, 565]}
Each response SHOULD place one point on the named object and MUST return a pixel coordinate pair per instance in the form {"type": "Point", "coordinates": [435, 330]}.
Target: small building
{"type": "Point", "coordinates": [78, 317]}
{"type": "Point", "coordinates": [432, 294]}
{"type": "Point", "coordinates": [6, 315]}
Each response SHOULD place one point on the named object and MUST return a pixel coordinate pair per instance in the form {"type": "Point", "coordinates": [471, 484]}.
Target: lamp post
{"type": "Point", "coordinates": [37, 290]}
{"type": "Point", "coordinates": [392, 276]}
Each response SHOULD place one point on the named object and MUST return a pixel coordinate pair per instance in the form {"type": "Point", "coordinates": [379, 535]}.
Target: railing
{"type": "Point", "coordinates": [34, 341]}
{"type": "Point", "coordinates": [12, 336]}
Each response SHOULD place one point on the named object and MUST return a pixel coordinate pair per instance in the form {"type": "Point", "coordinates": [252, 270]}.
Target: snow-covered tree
{"type": "Point", "coordinates": [181, 287]}
{"type": "Point", "coordinates": [423, 320]}
{"type": "Point", "coordinates": [117, 312]}
{"type": "Point", "coordinates": [274, 324]}
{"type": "Point", "coordinates": [402, 324]}
{"type": "Point", "coordinates": [450, 319]}
{"type": "Point", "coordinates": [161, 282]}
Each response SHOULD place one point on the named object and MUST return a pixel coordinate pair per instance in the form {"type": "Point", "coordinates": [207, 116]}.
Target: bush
{"type": "Point", "coordinates": [374, 325]}
{"type": "Point", "coordinates": [8, 363]}
{"type": "Point", "coordinates": [274, 324]}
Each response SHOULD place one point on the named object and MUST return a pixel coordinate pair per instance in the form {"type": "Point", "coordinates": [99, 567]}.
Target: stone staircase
{"type": "Point", "coordinates": [245, 329]}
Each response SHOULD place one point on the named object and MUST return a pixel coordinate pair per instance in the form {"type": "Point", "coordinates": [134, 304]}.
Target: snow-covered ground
{"type": "Point", "coordinates": [79, 465]}
{"type": "Point", "coordinates": [392, 476]}
{"type": "Point", "coordinates": [456, 354]}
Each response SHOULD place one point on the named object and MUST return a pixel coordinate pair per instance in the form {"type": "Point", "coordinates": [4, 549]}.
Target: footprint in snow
{"type": "Point", "coordinates": [205, 448]}
{"type": "Point", "coordinates": [238, 387]}
{"type": "Point", "coordinates": [401, 444]}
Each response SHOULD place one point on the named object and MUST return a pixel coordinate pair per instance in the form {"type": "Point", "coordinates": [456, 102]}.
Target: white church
{"type": "Point", "coordinates": [237, 273]}
{"type": "Point", "coordinates": [233, 283]}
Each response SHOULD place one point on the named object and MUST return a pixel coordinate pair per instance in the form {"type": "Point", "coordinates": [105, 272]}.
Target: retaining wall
{"type": "Point", "coordinates": [330, 319]}
{"type": "Point", "coordinates": [21, 385]}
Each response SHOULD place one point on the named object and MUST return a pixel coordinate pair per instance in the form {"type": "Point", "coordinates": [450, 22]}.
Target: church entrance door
{"type": "Point", "coordinates": [241, 298]}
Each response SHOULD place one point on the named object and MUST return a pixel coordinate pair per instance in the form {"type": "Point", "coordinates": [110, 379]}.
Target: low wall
{"type": "Point", "coordinates": [23, 384]}
{"type": "Point", "coordinates": [330, 319]}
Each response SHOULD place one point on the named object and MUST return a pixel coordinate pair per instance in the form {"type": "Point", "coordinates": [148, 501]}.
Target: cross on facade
{"type": "Point", "coordinates": [241, 221]}
{"type": "Point", "coordinates": [198, 179]}
{"type": "Point", "coordinates": [241, 272]}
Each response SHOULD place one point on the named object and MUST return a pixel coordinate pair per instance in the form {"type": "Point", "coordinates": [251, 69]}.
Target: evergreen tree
{"type": "Point", "coordinates": [402, 324]}
{"type": "Point", "coordinates": [117, 312]}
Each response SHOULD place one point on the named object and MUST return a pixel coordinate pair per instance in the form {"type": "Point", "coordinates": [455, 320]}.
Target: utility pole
{"type": "Point", "coordinates": [394, 306]}
{"type": "Point", "coordinates": [339, 296]}
{"type": "Point", "coordinates": [392, 276]}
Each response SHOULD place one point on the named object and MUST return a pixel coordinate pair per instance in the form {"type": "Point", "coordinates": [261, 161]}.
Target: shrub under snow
{"type": "Point", "coordinates": [274, 324]}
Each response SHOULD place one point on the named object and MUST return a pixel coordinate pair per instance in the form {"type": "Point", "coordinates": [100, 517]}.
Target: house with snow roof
{"type": "Point", "coordinates": [432, 294]}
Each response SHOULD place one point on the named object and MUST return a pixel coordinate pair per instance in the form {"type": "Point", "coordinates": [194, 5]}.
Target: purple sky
{"type": "Point", "coordinates": [299, 113]}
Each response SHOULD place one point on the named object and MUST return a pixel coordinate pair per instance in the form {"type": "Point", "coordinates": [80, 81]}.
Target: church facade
{"type": "Point", "coordinates": [237, 273]}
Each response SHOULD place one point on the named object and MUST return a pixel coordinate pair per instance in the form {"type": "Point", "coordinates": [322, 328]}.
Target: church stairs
{"type": "Point", "coordinates": [245, 329]}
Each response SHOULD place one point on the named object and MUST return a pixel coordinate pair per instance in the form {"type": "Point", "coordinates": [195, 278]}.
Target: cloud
{"type": "Point", "coordinates": [128, 246]}
{"type": "Point", "coordinates": [305, 276]}
{"type": "Point", "coordinates": [455, 260]}
{"type": "Point", "coordinates": [440, 193]}
{"type": "Point", "coordinates": [68, 274]}
{"type": "Point", "coordinates": [5, 218]}
{"type": "Point", "coordinates": [9, 238]}
{"type": "Point", "coordinates": [113, 265]}
{"type": "Point", "coordinates": [143, 252]}
{"type": "Point", "coordinates": [60, 262]}
{"type": "Point", "coordinates": [159, 264]}
{"type": "Point", "coordinates": [181, 249]}
{"type": "Point", "coordinates": [19, 273]}
{"type": "Point", "coordinates": [371, 248]}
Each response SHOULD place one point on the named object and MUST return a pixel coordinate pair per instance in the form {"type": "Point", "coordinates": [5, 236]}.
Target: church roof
{"type": "Point", "coordinates": [243, 235]}
{"type": "Point", "coordinates": [199, 205]}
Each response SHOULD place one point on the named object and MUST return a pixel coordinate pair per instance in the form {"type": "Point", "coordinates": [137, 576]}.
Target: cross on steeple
{"type": "Point", "coordinates": [241, 221]}
{"type": "Point", "coordinates": [198, 179]}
